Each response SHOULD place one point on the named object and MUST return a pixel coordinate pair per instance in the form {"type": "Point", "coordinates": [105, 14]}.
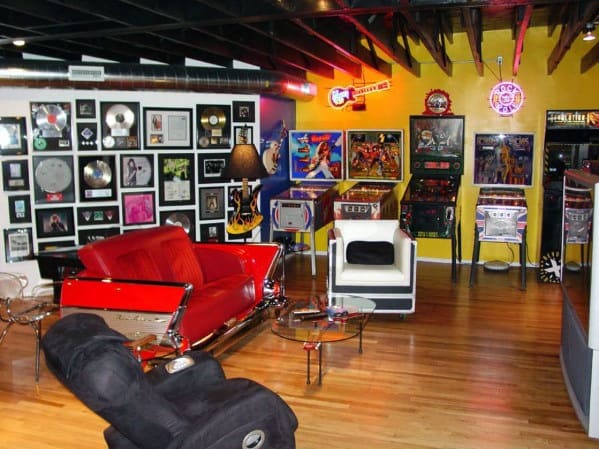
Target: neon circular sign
{"type": "Point", "coordinates": [506, 98]}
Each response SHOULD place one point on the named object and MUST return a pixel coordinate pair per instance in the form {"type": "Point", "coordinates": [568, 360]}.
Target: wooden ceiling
{"type": "Point", "coordinates": [291, 36]}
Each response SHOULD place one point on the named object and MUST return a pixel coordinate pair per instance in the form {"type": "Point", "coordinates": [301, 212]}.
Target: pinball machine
{"type": "Point", "coordinates": [430, 206]}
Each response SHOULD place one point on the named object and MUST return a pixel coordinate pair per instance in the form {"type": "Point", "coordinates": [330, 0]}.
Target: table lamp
{"type": "Point", "coordinates": [245, 164]}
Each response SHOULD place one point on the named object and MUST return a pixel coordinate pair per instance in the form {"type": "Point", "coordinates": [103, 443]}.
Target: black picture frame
{"type": "Point", "coordinates": [137, 171]}
{"type": "Point", "coordinates": [168, 128]}
{"type": "Point", "coordinates": [53, 245]}
{"type": "Point", "coordinates": [212, 232]}
{"type": "Point", "coordinates": [186, 218]}
{"type": "Point", "coordinates": [176, 179]}
{"type": "Point", "coordinates": [238, 134]}
{"type": "Point", "coordinates": [244, 111]}
{"type": "Point", "coordinates": [13, 136]}
{"type": "Point", "coordinates": [85, 109]}
{"type": "Point", "coordinates": [54, 222]}
{"type": "Point", "coordinates": [85, 236]}
{"type": "Point", "coordinates": [19, 209]}
{"type": "Point", "coordinates": [98, 215]}
{"type": "Point", "coordinates": [53, 179]}
{"type": "Point", "coordinates": [213, 128]}
{"type": "Point", "coordinates": [139, 208]}
{"type": "Point", "coordinates": [120, 125]}
{"type": "Point", "coordinates": [18, 244]}
{"type": "Point", "coordinates": [212, 203]}
{"type": "Point", "coordinates": [15, 175]}
{"type": "Point", "coordinates": [51, 126]}
{"type": "Point", "coordinates": [87, 136]}
{"type": "Point", "coordinates": [211, 167]}
{"type": "Point", "coordinates": [97, 178]}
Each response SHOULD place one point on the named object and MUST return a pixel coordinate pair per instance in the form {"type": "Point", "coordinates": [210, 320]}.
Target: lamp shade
{"type": "Point", "coordinates": [245, 163]}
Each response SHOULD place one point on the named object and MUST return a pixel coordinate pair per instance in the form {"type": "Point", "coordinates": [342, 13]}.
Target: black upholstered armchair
{"type": "Point", "coordinates": [185, 403]}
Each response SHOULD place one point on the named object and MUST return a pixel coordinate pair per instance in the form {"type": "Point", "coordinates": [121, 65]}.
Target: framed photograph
{"type": "Point", "coordinates": [53, 179]}
{"type": "Point", "coordinates": [18, 244]}
{"type": "Point", "coordinates": [19, 209]}
{"type": "Point", "coordinates": [13, 136]}
{"type": "Point", "coordinates": [212, 232]}
{"type": "Point", "coordinates": [315, 155]}
{"type": "Point", "coordinates": [167, 128]}
{"type": "Point", "coordinates": [139, 208]}
{"type": "Point", "coordinates": [213, 126]}
{"type": "Point", "coordinates": [54, 222]}
{"type": "Point", "coordinates": [85, 109]}
{"type": "Point", "coordinates": [98, 215]}
{"type": "Point", "coordinates": [176, 179]}
{"type": "Point", "coordinates": [244, 111]}
{"type": "Point", "coordinates": [437, 144]}
{"type": "Point", "coordinates": [184, 218]}
{"type": "Point", "coordinates": [211, 167]}
{"type": "Point", "coordinates": [120, 125]}
{"type": "Point", "coordinates": [374, 155]}
{"type": "Point", "coordinates": [137, 171]}
{"type": "Point", "coordinates": [87, 136]}
{"type": "Point", "coordinates": [503, 159]}
{"type": "Point", "coordinates": [51, 126]}
{"type": "Point", "coordinates": [243, 134]}
{"type": "Point", "coordinates": [85, 236]}
{"type": "Point", "coordinates": [97, 178]}
{"type": "Point", "coordinates": [15, 175]}
{"type": "Point", "coordinates": [212, 203]}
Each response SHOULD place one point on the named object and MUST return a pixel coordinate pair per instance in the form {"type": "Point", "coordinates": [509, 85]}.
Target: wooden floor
{"type": "Point", "coordinates": [471, 369]}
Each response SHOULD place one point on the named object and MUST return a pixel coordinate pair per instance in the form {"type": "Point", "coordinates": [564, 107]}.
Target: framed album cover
{"type": "Point", "coordinates": [85, 236]}
{"type": "Point", "coordinates": [19, 209]}
{"type": "Point", "coordinates": [15, 175]}
{"type": "Point", "coordinates": [137, 171]}
{"type": "Point", "coordinates": [244, 111]}
{"type": "Point", "coordinates": [18, 244]}
{"type": "Point", "coordinates": [85, 109]}
{"type": "Point", "coordinates": [212, 203]}
{"type": "Point", "coordinates": [87, 136]}
{"type": "Point", "coordinates": [53, 179]}
{"type": "Point", "coordinates": [139, 208]}
{"type": "Point", "coordinates": [213, 126]}
{"type": "Point", "coordinates": [502, 159]}
{"type": "Point", "coordinates": [184, 218]}
{"type": "Point", "coordinates": [243, 134]}
{"type": "Point", "coordinates": [13, 136]}
{"type": "Point", "coordinates": [211, 167]}
{"type": "Point", "coordinates": [176, 179]}
{"type": "Point", "coordinates": [54, 222]}
{"type": "Point", "coordinates": [315, 155]}
{"type": "Point", "coordinates": [98, 215]}
{"type": "Point", "coordinates": [120, 125]}
{"type": "Point", "coordinates": [374, 155]}
{"type": "Point", "coordinates": [212, 232]}
{"type": "Point", "coordinates": [97, 181]}
{"type": "Point", "coordinates": [167, 128]}
{"type": "Point", "coordinates": [51, 126]}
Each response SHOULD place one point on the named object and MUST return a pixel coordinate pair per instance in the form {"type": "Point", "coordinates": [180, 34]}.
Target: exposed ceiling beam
{"type": "Point", "coordinates": [523, 14]}
{"type": "Point", "coordinates": [589, 60]}
{"type": "Point", "coordinates": [473, 24]}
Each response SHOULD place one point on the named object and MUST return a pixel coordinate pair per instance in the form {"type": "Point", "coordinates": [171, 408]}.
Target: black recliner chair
{"type": "Point", "coordinates": [184, 403]}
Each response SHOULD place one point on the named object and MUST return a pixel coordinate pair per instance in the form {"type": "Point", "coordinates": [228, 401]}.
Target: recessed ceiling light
{"type": "Point", "coordinates": [18, 42]}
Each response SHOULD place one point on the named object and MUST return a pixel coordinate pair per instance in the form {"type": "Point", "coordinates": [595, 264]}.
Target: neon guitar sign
{"type": "Point", "coordinates": [339, 97]}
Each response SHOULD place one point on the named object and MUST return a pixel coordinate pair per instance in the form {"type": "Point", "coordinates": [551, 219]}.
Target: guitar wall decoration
{"type": "Point", "coordinates": [339, 97]}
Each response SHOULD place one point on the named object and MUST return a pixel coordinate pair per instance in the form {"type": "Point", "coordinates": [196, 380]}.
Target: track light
{"type": "Point", "coordinates": [588, 32]}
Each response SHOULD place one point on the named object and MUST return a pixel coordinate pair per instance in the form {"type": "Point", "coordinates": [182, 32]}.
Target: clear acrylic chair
{"type": "Point", "coordinates": [18, 308]}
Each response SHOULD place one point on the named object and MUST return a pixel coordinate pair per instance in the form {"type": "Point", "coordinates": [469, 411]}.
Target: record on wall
{"type": "Point", "coordinates": [120, 125]}
{"type": "Point", "coordinates": [51, 126]}
{"type": "Point", "coordinates": [96, 178]}
{"type": "Point", "coordinates": [213, 126]}
{"type": "Point", "coordinates": [53, 179]}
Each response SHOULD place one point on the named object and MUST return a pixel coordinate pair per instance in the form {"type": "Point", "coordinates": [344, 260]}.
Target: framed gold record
{"type": "Point", "coordinates": [51, 126]}
{"type": "Point", "coordinates": [53, 179]}
{"type": "Point", "coordinates": [120, 125]}
{"type": "Point", "coordinates": [97, 178]}
{"type": "Point", "coordinates": [213, 126]}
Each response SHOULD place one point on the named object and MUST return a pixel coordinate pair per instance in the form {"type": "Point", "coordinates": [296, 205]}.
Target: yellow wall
{"type": "Point", "coordinates": [566, 88]}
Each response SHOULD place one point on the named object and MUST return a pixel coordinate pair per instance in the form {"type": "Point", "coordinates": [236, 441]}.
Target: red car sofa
{"type": "Point", "coordinates": [228, 279]}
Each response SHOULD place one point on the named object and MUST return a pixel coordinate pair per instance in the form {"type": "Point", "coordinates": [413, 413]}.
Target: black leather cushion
{"type": "Point", "coordinates": [370, 253]}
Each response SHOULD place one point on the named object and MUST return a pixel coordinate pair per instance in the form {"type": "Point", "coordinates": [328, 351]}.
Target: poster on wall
{"type": "Point", "coordinates": [374, 155]}
{"type": "Point", "coordinates": [51, 126]}
{"type": "Point", "coordinates": [503, 159]}
{"type": "Point", "coordinates": [315, 155]}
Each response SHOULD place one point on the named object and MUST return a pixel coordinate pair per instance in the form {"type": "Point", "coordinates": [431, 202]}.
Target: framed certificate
{"type": "Point", "coordinates": [167, 128]}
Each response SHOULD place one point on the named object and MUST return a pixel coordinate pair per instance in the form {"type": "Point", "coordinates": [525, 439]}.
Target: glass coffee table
{"type": "Point", "coordinates": [324, 320]}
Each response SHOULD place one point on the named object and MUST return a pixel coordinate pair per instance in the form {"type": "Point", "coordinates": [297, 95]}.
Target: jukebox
{"type": "Point", "coordinates": [430, 205]}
